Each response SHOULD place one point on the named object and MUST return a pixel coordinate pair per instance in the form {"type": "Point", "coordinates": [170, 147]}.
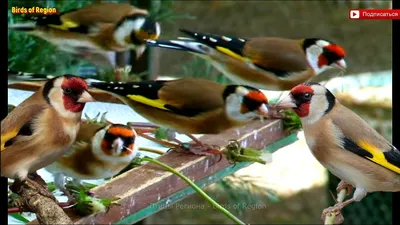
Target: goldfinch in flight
{"type": "Point", "coordinates": [96, 29]}
{"type": "Point", "coordinates": [270, 63]}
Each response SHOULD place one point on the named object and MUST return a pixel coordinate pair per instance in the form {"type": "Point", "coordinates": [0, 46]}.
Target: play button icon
{"type": "Point", "coordinates": [354, 14]}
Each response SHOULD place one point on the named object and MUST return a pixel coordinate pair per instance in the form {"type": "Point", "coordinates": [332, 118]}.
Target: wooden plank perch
{"type": "Point", "coordinates": [147, 189]}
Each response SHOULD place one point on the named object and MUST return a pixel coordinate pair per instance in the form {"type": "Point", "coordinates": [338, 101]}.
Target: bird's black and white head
{"type": "Point", "coordinates": [243, 103]}
{"type": "Point", "coordinates": [135, 30]}
{"type": "Point", "coordinates": [115, 143]}
{"type": "Point", "coordinates": [322, 54]}
{"type": "Point", "coordinates": [310, 101]}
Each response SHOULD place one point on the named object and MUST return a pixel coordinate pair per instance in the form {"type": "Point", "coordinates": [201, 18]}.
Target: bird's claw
{"type": "Point", "coordinates": [70, 198]}
{"type": "Point", "coordinates": [343, 185]}
{"type": "Point", "coordinates": [202, 149]}
{"type": "Point", "coordinates": [333, 210]}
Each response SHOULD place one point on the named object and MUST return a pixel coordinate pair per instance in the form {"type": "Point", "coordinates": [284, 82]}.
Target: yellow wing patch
{"type": "Point", "coordinates": [231, 54]}
{"type": "Point", "coordinates": [378, 156]}
{"type": "Point", "coordinates": [66, 24]}
{"type": "Point", "coordinates": [6, 137]}
{"type": "Point", "coordinates": [158, 103]}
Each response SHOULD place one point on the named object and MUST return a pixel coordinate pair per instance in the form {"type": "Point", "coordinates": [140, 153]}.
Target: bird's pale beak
{"type": "Point", "coordinates": [263, 110]}
{"type": "Point", "coordinates": [341, 64]}
{"type": "Point", "coordinates": [139, 51]}
{"type": "Point", "coordinates": [117, 145]}
{"type": "Point", "coordinates": [86, 97]}
{"type": "Point", "coordinates": [286, 103]}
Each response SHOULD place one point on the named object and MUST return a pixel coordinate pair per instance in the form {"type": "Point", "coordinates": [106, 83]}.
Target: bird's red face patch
{"type": "Point", "coordinates": [301, 89]}
{"type": "Point", "coordinates": [339, 51]}
{"type": "Point", "coordinates": [73, 87]}
{"type": "Point", "coordinates": [302, 95]}
{"type": "Point", "coordinates": [331, 54]}
{"type": "Point", "coordinates": [322, 61]}
{"type": "Point", "coordinates": [75, 83]}
{"type": "Point", "coordinates": [121, 131]}
{"type": "Point", "coordinates": [257, 96]}
{"type": "Point", "coordinates": [126, 134]}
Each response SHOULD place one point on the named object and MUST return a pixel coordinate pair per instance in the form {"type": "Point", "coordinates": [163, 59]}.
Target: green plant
{"type": "Point", "coordinates": [291, 122]}
{"type": "Point", "coordinates": [162, 12]}
{"type": "Point", "coordinates": [200, 68]}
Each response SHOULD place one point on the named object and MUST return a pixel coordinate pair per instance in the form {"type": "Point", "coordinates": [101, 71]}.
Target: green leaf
{"type": "Point", "coordinates": [87, 205]}
{"type": "Point", "coordinates": [291, 121]}
{"type": "Point", "coordinates": [161, 133]}
{"type": "Point", "coordinates": [19, 217]}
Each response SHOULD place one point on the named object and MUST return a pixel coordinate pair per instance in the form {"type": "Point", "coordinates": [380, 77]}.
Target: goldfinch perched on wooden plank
{"type": "Point", "coordinates": [270, 63]}
{"type": "Point", "coordinates": [191, 105]}
{"type": "Point", "coordinates": [42, 128]}
{"type": "Point", "coordinates": [96, 29]}
{"type": "Point", "coordinates": [344, 143]}
{"type": "Point", "coordinates": [99, 152]}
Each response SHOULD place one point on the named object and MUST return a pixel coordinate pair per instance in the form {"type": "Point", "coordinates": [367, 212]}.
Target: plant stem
{"type": "Point", "coordinates": [151, 150]}
{"type": "Point", "coordinates": [18, 210]}
{"type": "Point", "coordinates": [330, 218]}
{"type": "Point", "coordinates": [196, 188]}
{"type": "Point", "coordinates": [162, 142]}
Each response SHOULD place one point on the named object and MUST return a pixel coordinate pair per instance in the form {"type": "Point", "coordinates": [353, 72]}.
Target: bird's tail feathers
{"type": "Point", "coordinates": [28, 76]}
{"type": "Point", "coordinates": [23, 27]}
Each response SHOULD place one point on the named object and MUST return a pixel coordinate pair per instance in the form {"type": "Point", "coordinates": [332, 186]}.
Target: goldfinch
{"type": "Point", "coordinates": [270, 63]}
{"type": "Point", "coordinates": [344, 143]}
{"type": "Point", "coordinates": [95, 29]}
{"type": "Point", "coordinates": [99, 152]}
{"type": "Point", "coordinates": [42, 128]}
{"type": "Point", "coordinates": [190, 105]}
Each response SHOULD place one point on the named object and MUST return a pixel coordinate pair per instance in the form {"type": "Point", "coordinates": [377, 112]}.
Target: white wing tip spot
{"type": "Point", "coordinates": [212, 39]}
{"type": "Point", "coordinates": [225, 38]}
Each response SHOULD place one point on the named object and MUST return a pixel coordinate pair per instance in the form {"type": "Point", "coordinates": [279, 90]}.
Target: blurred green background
{"type": "Point", "coordinates": [369, 49]}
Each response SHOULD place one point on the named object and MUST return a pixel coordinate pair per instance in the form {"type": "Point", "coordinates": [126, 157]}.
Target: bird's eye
{"type": "Point", "coordinates": [307, 96]}
{"type": "Point", "coordinates": [67, 90]}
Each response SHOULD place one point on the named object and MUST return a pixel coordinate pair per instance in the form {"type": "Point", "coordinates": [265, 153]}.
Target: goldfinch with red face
{"type": "Point", "coordinates": [344, 143]}
{"type": "Point", "coordinates": [95, 29]}
{"type": "Point", "coordinates": [99, 152]}
{"type": "Point", "coordinates": [42, 128]}
{"type": "Point", "coordinates": [190, 105]}
{"type": "Point", "coordinates": [270, 63]}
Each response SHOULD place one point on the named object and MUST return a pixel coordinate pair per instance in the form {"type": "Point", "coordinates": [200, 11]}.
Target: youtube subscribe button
{"type": "Point", "coordinates": [374, 14]}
